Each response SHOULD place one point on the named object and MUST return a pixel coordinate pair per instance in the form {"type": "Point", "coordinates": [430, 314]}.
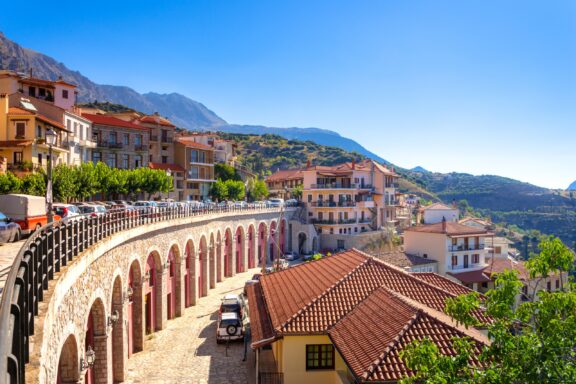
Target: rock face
{"type": "Point", "coordinates": [572, 187]}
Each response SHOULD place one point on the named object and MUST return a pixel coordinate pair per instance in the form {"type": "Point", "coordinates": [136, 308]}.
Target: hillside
{"type": "Point", "coordinates": [572, 187]}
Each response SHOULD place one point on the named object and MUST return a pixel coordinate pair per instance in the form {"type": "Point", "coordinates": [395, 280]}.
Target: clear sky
{"type": "Point", "coordinates": [477, 86]}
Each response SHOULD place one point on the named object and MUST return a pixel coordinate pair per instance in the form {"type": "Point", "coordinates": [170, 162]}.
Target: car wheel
{"type": "Point", "coordinates": [17, 236]}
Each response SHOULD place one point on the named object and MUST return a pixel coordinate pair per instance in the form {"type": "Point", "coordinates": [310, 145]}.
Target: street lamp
{"type": "Point", "coordinates": [51, 141]}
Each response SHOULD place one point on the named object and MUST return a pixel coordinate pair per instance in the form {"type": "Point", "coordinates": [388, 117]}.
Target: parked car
{"type": "Point", "coordinates": [276, 202]}
{"type": "Point", "coordinates": [125, 209]}
{"type": "Point", "coordinates": [291, 256]}
{"type": "Point", "coordinates": [291, 203]}
{"type": "Point", "coordinates": [9, 230]}
{"type": "Point", "coordinates": [28, 211]}
{"type": "Point", "coordinates": [66, 211]}
{"type": "Point", "coordinates": [255, 278]}
{"type": "Point", "coordinates": [229, 327]}
{"type": "Point", "coordinates": [232, 303]}
{"type": "Point", "coordinates": [241, 204]}
{"type": "Point", "coordinates": [92, 209]}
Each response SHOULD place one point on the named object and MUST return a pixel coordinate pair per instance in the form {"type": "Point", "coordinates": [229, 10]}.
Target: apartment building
{"type": "Point", "coordinates": [23, 135]}
{"type": "Point", "coordinates": [460, 250]}
{"type": "Point", "coordinates": [161, 139]}
{"type": "Point", "coordinates": [80, 139]}
{"type": "Point", "coordinates": [198, 162]}
{"type": "Point", "coordinates": [349, 204]}
{"type": "Point", "coordinates": [436, 212]}
{"type": "Point", "coordinates": [119, 144]}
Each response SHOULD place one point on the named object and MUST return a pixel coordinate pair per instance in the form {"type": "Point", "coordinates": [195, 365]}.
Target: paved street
{"type": "Point", "coordinates": [8, 252]}
{"type": "Point", "coordinates": [186, 351]}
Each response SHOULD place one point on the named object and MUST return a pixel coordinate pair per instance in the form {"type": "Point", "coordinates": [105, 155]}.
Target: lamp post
{"type": "Point", "coordinates": [50, 140]}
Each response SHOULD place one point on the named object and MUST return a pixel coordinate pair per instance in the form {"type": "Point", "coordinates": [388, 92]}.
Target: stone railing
{"type": "Point", "coordinates": [50, 249]}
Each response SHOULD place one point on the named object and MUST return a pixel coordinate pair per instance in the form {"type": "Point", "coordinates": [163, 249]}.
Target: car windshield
{"type": "Point", "coordinates": [230, 306]}
{"type": "Point", "coordinates": [226, 322]}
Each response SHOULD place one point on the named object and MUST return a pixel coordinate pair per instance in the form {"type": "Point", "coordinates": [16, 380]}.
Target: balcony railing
{"type": "Point", "coordinates": [461, 267]}
{"type": "Point", "coordinates": [167, 140]}
{"type": "Point", "coordinates": [140, 147]}
{"type": "Point", "coordinates": [341, 186]}
{"type": "Point", "coordinates": [459, 248]}
{"type": "Point", "coordinates": [333, 222]}
{"type": "Point", "coordinates": [153, 138]}
{"type": "Point", "coordinates": [115, 145]}
{"type": "Point", "coordinates": [333, 204]}
{"type": "Point", "coordinates": [392, 185]}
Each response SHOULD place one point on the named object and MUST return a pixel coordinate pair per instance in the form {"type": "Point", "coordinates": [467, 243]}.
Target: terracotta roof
{"type": "Point", "coordinates": [112, 121]}
{"type": "Point", "coordinates": [33, 80]}
{"type": "Point", "coordinates": [15, 143]}
{"type": "Point", "coordinates": [60, 81]}
{"type": "Point", "coordinates": [364, 165]}
{"type": "Point", "coordinates": [190, 143]}
{"type": "Point", "coordinates": [442, 282]}
{"type": "Point", "coordinates": [287, 174]}
{"type": "Point", "coordinates": [153, 119]}
{"type": "Point", "coordinates": [311, 298]}
{"type": "Point", "coordinates": [475, 220]}
{"type": "Point", "coordinates": [452, 229]}
{"type": "Point", "coordinates": [371, 337]}
{"type": "Point", "coordinates": [260, 324]}
{"type": "Point", "coordinates": [437, 206]}
{"type": "Point", "coordinates": [402, 259]}
{"type": "Point", "coordinates": [19, 111]}
{"type": "Point", "coordinates": [500, 264]}
{"type": "Point", "coordinates": [51, 122]}
{"type": "Point", "coordinates": [165, 167]}
{"type": "Point", "coordinates": [470, 277]}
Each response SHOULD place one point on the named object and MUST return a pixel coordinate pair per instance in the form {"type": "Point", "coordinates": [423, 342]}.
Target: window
{"type": "Point", "coordinates": [557, 284]}
{"type": "Point", "coordinates": [126, 139]}
{"type": "Point", "coordinates": [192, 185]}
{"type": "Point", "coordinates": [40, 158]}
{"type": "Point", "coordinates": [75, 131]}
{"type": "Point", "coordinates": [484, 284]}
{"type": "Point", "coordinates": [112, 138]}
{"type": "Point", "coordinates": [309, 198]}
{"type": "Point", "coordinates": [125, 161]}
{"type": "Point", "coordinates": [320, 356]}
{"type": "Point", "coordinates": [193, 156]}
{"type": "Point", "coordinates": [111, 160]}
{"type": "Point", "coordinates": [454, 260]}
{"type": "Point", "coordinates": [64, 93]}
{"type": "Point", "coordinates": [138, 140]}
{"type": "Point", "coordinates": [41, 92]}
{"type": "Point", "coordinates": [96, 157]}
{"type": "Point", "coordinates": [20, 129]}
{"type": "Point", "coordinates": [137, 161]}
{"type": "Point", "coordinates": [425, 256]}
{"type": "Point", "coordinates": [38, 132]}
{"type": "Point", "coordinates": [164, 159]}
{"type": "Point", "coordinates": [193, 173]}
{"type": "Point", "coordinates": [18, 157]}
{"type": "Point", "coordinates": [549, 286]}
{"type": "Point", "coordinates": [32, 91]}
{"type": "Point", "coordinates": [476, 259]}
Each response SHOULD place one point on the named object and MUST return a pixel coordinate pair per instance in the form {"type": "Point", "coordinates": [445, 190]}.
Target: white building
{"type": "Point", "coordinates": [460, 250]}
{"type": "Point", "coordinates": [436, 212]}
{"type": "Point", "coordinates": [80, 140]}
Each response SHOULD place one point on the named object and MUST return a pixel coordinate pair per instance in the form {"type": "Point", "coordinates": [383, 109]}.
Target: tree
{"type": "Point", "coordinates": [257, 189]}
{"type": "Point", "coordinates": [219, 191]}
{"type": "Point", "coordinates": [64, 185]}
{"type": "Point", "coordinates": [236, 190]}
{"type": "Point", "coordinates": [531, 342]}
{"type": "Point", "coordinates": [86, 180]}
{"type": "Point", "coordinates": [296, 192]}
{"type": "Point", "coordinates": [226, 172]}
{"type": "Point", "coordinates": [155, 180]}
{"type": "Point", "coordinates": [34, 184]}
{"type": "Point", "coordinates": [9, 183]}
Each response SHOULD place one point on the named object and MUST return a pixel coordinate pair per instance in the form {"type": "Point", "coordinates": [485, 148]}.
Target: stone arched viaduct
{"type": "Point", "coordinates": [132, 283]}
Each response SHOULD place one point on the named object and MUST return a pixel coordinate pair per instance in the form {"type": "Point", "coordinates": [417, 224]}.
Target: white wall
{"type": "Point", "coordinates": [433, 216]}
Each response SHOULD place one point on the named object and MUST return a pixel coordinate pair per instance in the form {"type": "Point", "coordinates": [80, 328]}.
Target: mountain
{"type": "Point", "coordinates": [572, 187]}
{"type": "Point", "coordinates": [420, 169]}
{"type": "Point", "coordinates": [180, 109]}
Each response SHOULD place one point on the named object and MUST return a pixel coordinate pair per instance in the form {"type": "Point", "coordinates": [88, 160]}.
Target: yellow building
{"type": "Point", "coordinates": [347, 319]}
{"type": "Point", "coordinates": [198, 161]}
{"type": "Point", "coordinates": [23, 137]}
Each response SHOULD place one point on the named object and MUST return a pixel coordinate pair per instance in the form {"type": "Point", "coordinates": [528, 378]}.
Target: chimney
{"type": "Point", "coordinates": [444, 224]}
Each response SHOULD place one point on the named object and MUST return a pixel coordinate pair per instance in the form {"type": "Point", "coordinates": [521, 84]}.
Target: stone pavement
{"type": "Point", "coordinates": [8, 253]}
{"type": "Point", "coordinates": [186, 351]}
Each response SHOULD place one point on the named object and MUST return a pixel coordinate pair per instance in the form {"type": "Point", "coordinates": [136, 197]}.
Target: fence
{"type": "Point", "coordinates": [48, 250]}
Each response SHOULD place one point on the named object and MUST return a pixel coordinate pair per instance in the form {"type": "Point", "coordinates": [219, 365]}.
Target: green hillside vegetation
{"type": "Point", "coordinates": [107, 106]}
{"type": "Point", "coordinates": [265, 154]}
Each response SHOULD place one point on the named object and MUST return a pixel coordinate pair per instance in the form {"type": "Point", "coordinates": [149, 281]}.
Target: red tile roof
{"type": "Point", "coordinates": [112, 121]}
{"type": "Point", "coordinates": [260, 324]}
{"type": "Point", "coordinates": [403, 259]}
{"type": "Point", "coordinates": [371, 337]}
{"type": "Point", "coordinates": [451, 229]}
{"type": "Point", "coordinates": [500, 264]}
{"type": "Point", "coordinates": [364, 165]}
{"type": "Point", "coordinates": [165, 167]}
{"type": "Point", "coordinates": [287, 174]}
{"type": "Point", "coordinates": [19, 111]}
{"type": "Point", "coordinates": [54, 123]}
{"type": "Point", "coordinates": [442, 282]}
{"type": "Point", "coordinates": [190, 143]}
{"type": "Point", "coordinates": [311, 298]}
{"type": "Point", "coordinates": [153, 119]}
{"type": "Point", "coordinates": [437, 206]}
{"type": "Point", "coordinates": [470, 277]}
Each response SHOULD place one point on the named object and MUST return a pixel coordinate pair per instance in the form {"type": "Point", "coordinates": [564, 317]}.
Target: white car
{"type": "Point", "coordinates": [276, 203]}
{"type": "Point", "coordinates": [92, 209]}
{"type": "Point", "coordinates": [291, 256]}
{"type": "Point", "coordinates": [66, 211]}
{"type": "Point", "coordinates": [229, 327]}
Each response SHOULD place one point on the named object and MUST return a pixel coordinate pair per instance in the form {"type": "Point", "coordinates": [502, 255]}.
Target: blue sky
{"type": "Point", "coordinates": [484, 87]}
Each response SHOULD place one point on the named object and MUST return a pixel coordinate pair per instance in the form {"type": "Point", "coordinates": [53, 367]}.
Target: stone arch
{"type": "Point", "coordinates": [190, 286]}
{"type": "Point", "coordinates": [68, 368]}
{"type": "Point", "coordinates": [153, 293]}
{"type": "Point", "coordinates": [302, 239]}
{"type": "Point", "coordinates": [134, 313]}
{"type": "Point", "coordinates": [117, 304]}
{"type": "Point", "coordinates": [272, 241]}
{"type": "Point", "coordinates": [174, 283]}
{"type": "Point", "coordinates": [251, 246]}
{"type": "Point", "coordinates": [262, 243]}
{"type": "Point", "coordinates": [96, 339]}
{"type": "Point", "coordinates": [240, 236]}
{"type": "Point", "coordinates": [212, 263]}
{"type": "Point", "coordinates": [219, 262]}
{"type": "Point", "coordinates": [203, 267]}
{"type": "Point", "coordinates": [228, 262]}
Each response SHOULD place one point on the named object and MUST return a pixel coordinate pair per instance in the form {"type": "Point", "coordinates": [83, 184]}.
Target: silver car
{"type": "Point", "coordinates": [9, 230]}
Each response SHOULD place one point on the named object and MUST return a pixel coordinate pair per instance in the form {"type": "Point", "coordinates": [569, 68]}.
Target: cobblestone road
{"type": "Point", "coordinates": [186, 351]}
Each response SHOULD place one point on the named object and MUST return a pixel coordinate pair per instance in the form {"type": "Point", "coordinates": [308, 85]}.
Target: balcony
{"type": "Point", "coordinates": [464, 268]}
{"type": "Point", "coordinates": [333, 204]}
{"type": "Point", "coordinates": [393, 185]}
{"type": "Point", "coordinates": [333, 222]}
{"type": "Point", "coordinates": [140, 147]}
{"type": "Point", "coordinates": [341, 186]}
{"type": "Point", "coordinates": [115, 145]}
{"type": "Point", "coordinates": [88, 143]}
{"type": "Point", "coordinates": [167, 140]}
{"type": "Point", "coordinates": [154, 138]}
{"type": "Point", "coordinates": [463, 248]}
{"type": "Point", "coordinates": [366, 204]}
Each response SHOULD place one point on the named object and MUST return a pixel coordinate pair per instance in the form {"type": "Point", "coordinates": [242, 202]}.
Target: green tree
{"type": "Point", "coordinates": [102, 173]}
{"type": "Point", "coordinates": [34, 184]}
{"type": "Point", "coordinates": [257, 189]}
{"type": "Point", "coordinates": [531, 342]}
{"type": "Point", "coordinates": [236, 189]}
{"type": "Point", "coordinates": [296, 192]}
{"type": "Point", "coordinates": [154, 181]}
{"type": "Point", "coordinates": [226, 172]}
{"type": "Point", "coordinates": [64, 185]}
{"type": "Point", "coordinates": [86, 180]}
{"type": "Point", "coordinates": [219, 191]}
{"type": "Point", "coordinates": [9, 183]}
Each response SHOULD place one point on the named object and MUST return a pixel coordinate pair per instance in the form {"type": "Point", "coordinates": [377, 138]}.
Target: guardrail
{"type": "Point", "coordinates": [48, 250]}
